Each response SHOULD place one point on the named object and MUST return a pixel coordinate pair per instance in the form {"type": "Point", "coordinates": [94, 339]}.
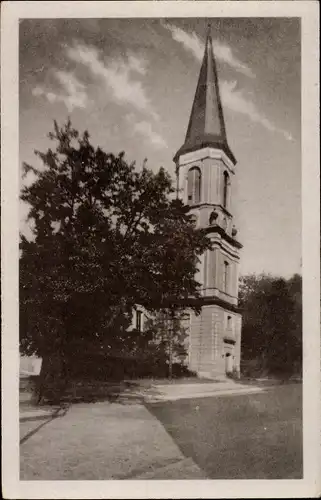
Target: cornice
{"type": "Point", "coordinates": [210, 205]}
{"type": "Point", "coordinates": [219, 230]}
{"type": "Point", "coordinates": [204, 153]}
{"type": "Point", "coordinates": [215, 301]}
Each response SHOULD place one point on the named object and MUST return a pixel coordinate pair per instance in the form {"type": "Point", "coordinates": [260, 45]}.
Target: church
{"type": "Point", "coordinates": [205, 170]}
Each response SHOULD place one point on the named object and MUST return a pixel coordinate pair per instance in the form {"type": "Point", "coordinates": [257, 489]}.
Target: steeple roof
{"type": "Point", "coordinates": [206, 126]}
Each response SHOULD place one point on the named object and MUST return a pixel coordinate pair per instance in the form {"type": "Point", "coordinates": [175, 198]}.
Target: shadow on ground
{"type": "Point", "coordinates": [121, 392]}
{"type": "Point", "coordinates": [267, 382]}
{"type": "Point", "coordinates": [36, 425]}
{"type": "Point", "coordinates": [113, 391]}
{"type": "Point", "coordinates": [124, 392]}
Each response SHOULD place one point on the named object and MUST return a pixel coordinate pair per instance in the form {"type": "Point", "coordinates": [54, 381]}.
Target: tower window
{"type": "Point", "coordinates": [226, 189]}
{"type": "Point", "coordinates": [194, 185]}
{"type": "Point", "coordinates": [225, 276]}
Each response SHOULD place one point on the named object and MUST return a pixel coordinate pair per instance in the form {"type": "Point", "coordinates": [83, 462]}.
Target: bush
{"type": "Point", "coordinates": [118, 368]}
{"type": "Point", "coordinates": [234, 374]}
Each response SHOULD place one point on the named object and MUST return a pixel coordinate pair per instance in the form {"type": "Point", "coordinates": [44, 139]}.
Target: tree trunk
{"type": "Point", "coordinates": [44, 379]}
{"type": "Point", "coordinates": [53, 379]}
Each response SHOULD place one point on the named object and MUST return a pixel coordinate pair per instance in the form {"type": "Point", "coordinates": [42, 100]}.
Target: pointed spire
{"type": "Point", "coordinates": [206, 126]}
{"type": "Point", "coordinates": [209, 30]}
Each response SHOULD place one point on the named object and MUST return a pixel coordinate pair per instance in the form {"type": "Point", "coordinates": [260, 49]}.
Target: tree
{"type": "Point", "coordinates": [105, 237]}
{"type": "Point", "coordinates": [166, 335]}
{"type": "Point", "coordinates": [272, 323]}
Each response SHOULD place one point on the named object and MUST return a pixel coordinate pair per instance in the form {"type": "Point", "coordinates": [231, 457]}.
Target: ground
{"type": "Point", "coordinates": [100, 441]}
{"type": "Point", "coordinates": [249, 436]}
{"type": "Point", "coordinates": [252, 436]}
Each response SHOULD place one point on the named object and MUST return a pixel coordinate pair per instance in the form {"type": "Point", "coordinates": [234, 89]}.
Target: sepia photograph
{"type": "Point", "coordinates": [160, 330]}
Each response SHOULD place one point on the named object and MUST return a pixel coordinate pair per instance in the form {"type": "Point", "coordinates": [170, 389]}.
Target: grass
{"type": "Point", "coordinates": [95, 442]}
{"type": "Point", "coordinates": [254, 436]}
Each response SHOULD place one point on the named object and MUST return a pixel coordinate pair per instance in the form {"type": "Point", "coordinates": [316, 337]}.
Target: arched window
{"type": "Point", "coordinates": [194, 180]}
{"type": "Point", "coordinates": [226, 189]}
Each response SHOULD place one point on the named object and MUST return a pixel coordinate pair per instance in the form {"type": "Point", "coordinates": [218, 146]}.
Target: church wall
{"type": "Point", "coordinates": [212, 170]}
{"type": "Point", "coordinates": [211, 339]}
{"type": "Point", "coordinates": [211, 269]}
{"type": "Point", "coordinates": [238, 330]}
{"type": "Point", "coordinates": [205, 181]}
{"type": "Point", "coordinates": [213, 274]}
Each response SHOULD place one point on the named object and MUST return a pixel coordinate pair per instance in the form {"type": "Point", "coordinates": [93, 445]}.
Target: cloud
{"type": "Point", "coordinates": [145, 129]}
{"type": "Point", "coordinates": [236, 101]}
{"type": "Point", "coordinates": [137, 64]}
{"type": "Point", "coordinates": [233, 99]}
{"type": "Point", "coordinates": [224, 53]}
{"type": "Point", "coordinates": [192, 43]}
{"type": "Point", "coordinates": [117, 75]}
{"type": "Point", "coordinates": [73, 93]}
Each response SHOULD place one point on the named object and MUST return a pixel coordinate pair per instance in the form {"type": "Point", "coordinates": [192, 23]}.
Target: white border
{"type": "Point", "coordinates": [310, 486]}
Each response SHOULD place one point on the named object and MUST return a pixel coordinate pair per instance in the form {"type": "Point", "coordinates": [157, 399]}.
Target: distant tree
{"type": "Point", "coordinates": [105, 237]}
{"type": "Point", "coordinates": [294, 285]}
{"type": "Point", "coordinates": [272, 323]}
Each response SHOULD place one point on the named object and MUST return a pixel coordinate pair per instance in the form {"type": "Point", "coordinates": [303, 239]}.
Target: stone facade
{"type": "Point", "coordinates": [215, 334]}
{"type": "Point", "coordinates": [30, 365]}
{"type": "Point", "coordinates": [214, 342]}
{"type": "Point", "coordinates": [205, 168]}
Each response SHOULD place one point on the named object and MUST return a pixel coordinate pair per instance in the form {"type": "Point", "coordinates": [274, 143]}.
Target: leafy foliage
{"type": "Point", "coordinates": [105, 237]}
{"type": "Point", "coordinates": [272, 323]}
{"type": "Point", "coordinates": [167, 336]}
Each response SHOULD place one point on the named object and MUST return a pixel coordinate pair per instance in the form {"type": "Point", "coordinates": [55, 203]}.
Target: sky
{"type": "Point", "coordinates": [131, 84]}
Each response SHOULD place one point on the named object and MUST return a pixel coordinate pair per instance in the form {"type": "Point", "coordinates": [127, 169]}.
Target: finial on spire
{"type": "Point", "coordinates": [209, 29]}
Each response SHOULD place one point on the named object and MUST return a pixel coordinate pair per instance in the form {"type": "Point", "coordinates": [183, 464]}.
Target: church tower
{"type": "Point", "coordinates": [205, 168]}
